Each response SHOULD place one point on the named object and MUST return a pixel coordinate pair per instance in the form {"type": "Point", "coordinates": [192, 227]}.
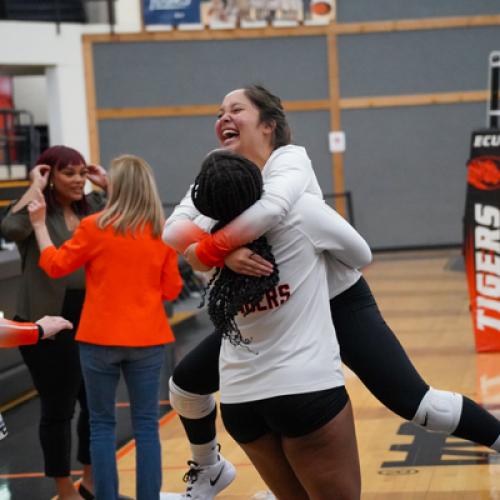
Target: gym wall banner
{"type": "Point", "coordinates": [482, 237]}
{"type": "Point", "coordinates": [171, 12]}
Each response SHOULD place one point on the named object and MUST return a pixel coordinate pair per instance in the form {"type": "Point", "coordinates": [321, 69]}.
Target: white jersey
{"type": "Point", "coordinates": [287, 174]}
{"type": "Point", "coordinates": [293, 348]}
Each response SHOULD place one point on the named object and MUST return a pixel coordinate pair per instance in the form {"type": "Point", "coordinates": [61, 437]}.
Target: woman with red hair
{"type": "Point", "coordinates": [60, 173]}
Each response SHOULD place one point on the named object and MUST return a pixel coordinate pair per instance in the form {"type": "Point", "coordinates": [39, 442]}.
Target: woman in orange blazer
{"type": "Point", "coordinates": [129, 271]}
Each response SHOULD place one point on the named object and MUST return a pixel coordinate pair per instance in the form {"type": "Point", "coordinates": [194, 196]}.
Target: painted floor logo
{"type": "Point", "coordinates": [430, 449]}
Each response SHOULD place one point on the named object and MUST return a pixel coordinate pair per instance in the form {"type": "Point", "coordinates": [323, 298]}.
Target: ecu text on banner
{"type": "Point", "coordinates": [482, 238]}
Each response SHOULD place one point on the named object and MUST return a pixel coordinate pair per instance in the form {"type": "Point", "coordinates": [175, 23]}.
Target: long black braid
{"type": "Point", "coordinates": [226, 186]}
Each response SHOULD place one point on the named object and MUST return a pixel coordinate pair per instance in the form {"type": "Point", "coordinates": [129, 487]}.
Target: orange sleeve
{"type": "Point", "coordinates": [171, 280]}
{"type": "Point", "coordinates": [58, 262]}
{"type": "Point", "coordinates": [179, 234]}
{"type": "Point", "coordinates": [213, 249]}
{"type": "Point", "coordinates": [13, 334]}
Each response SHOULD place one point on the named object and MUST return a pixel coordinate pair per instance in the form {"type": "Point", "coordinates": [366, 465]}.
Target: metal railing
{"type": "Point", "coordinates": [19, 142]}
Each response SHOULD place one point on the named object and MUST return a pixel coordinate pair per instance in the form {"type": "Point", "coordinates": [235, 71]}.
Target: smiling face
{"type": "Point", "coordinates": [240, 129]}
{"type": "Point", "coordinates": [69, 182]}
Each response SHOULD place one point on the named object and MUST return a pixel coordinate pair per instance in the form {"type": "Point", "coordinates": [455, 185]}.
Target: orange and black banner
{"type": "Point", "coordinates": [482, 238]}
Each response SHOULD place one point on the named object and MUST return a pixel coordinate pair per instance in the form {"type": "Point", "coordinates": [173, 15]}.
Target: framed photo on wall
{"type": "Point", "coordinates": [170, 12]}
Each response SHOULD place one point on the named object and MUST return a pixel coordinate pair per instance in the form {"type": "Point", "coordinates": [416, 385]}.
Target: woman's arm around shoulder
{"type": "Point", "coordinates": [287, 174]}
{"type": "Point", "coordinates": [330, 232]}
{"type": "Point", "coordinates": [180, 230]}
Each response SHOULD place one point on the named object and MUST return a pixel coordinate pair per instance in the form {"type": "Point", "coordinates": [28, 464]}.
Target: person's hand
{"type": "Point", "coordinates": [39, 176]}
{"type": "Point", "coordinates": [37, 209]}
{"type": "Point", "coordinates": [244, 261]}
{"type": "Point", "coordinates": [98, 176]}
{"type": "Point", "coordinates": [192, 259]}
{"type": "Point", "coordinates": [53, 324]}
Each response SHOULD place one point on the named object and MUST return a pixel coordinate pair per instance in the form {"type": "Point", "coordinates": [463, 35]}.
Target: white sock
{"type": "Point", "coordinates": [496, 445]}
{"type": "Point", "coordinates": [205, 454]}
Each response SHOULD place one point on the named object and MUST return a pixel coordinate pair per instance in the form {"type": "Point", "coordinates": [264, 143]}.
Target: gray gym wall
{"type": "Point", "coordinates": [409, 162]}
{"type": "Point", "coordinates": [154, 74]}
{"type": "Point", "coordinates": [358, 11]}
{"type": "Point", "coordinates": [405, 166]}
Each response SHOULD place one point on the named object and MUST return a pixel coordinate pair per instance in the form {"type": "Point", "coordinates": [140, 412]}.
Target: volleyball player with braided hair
{"type": "Point", "coordinates": [252, 123]}
{"type": "Point", "coordinates": [221, 191]}
{"type": "Point", "coordinates": [282, 390]}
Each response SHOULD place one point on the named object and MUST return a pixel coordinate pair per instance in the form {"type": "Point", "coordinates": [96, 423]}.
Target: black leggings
{"type": "Point", "coordinates": [54, 366]}
{"type": "Point", "coordinates": [368, 347]}
{"type": "Point", "coordinates": [371, 350]}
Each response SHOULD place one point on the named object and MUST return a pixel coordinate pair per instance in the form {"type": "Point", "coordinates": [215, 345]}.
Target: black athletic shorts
{"type": "Point", "coordinates": [292, 416]}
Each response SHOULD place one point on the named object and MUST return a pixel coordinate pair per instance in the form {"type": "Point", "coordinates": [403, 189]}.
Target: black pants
{"type": "Point", "coordinates": [54, 366]}
{"type": "Point", "coordinates": [371, 350]}
{"type": "Point", "coordinates": [367, 346]}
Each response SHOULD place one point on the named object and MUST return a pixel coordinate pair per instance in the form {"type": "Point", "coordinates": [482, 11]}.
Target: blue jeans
{"type": "Point", "coordinates": [101, 366]}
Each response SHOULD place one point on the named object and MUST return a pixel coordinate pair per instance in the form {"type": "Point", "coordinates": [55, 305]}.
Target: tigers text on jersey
{"type": "Point", "coordinates": [293, 346]}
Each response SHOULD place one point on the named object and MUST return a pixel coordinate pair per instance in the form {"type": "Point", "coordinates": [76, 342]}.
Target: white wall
{"type": "Point", "coordinates": [128, 15]}
{"type": "Point", "coordinates": [30, 94]}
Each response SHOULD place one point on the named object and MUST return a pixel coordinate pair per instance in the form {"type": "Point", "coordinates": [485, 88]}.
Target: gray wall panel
{"type": "Point", "coordinates": [380, 10]}
{"type": "Point", "coordinates": [405, 166]}
{"type": "Point", "coordinates": [175, 147]}
{"type": "Point", "coordinates": [406, 170]}
{"type": "Point", "coordinates": [416, 61]}
{"type": "Point", "coordinates": [143, 74]}
{"type": "Point", "coordinates": [310, 129]}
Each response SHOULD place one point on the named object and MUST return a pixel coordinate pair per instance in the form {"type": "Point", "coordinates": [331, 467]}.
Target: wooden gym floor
{"type": "Point", "coordinates": [423, 296]}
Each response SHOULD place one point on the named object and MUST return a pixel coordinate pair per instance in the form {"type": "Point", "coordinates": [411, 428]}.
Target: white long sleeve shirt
{"type": "Point", "coordinates": [287, 175]}
{"type": "Point", "coordinates": [293, 348]}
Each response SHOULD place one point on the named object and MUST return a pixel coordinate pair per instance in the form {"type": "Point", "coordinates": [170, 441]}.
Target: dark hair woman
{"type": "Point", "coordinates": [60, 173]}
{"type": "Point", "coordinates": [226, 186]}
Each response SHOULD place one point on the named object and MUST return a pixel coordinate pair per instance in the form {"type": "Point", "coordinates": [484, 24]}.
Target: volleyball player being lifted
{"type": "Point", "coordinates": [252, 123]}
